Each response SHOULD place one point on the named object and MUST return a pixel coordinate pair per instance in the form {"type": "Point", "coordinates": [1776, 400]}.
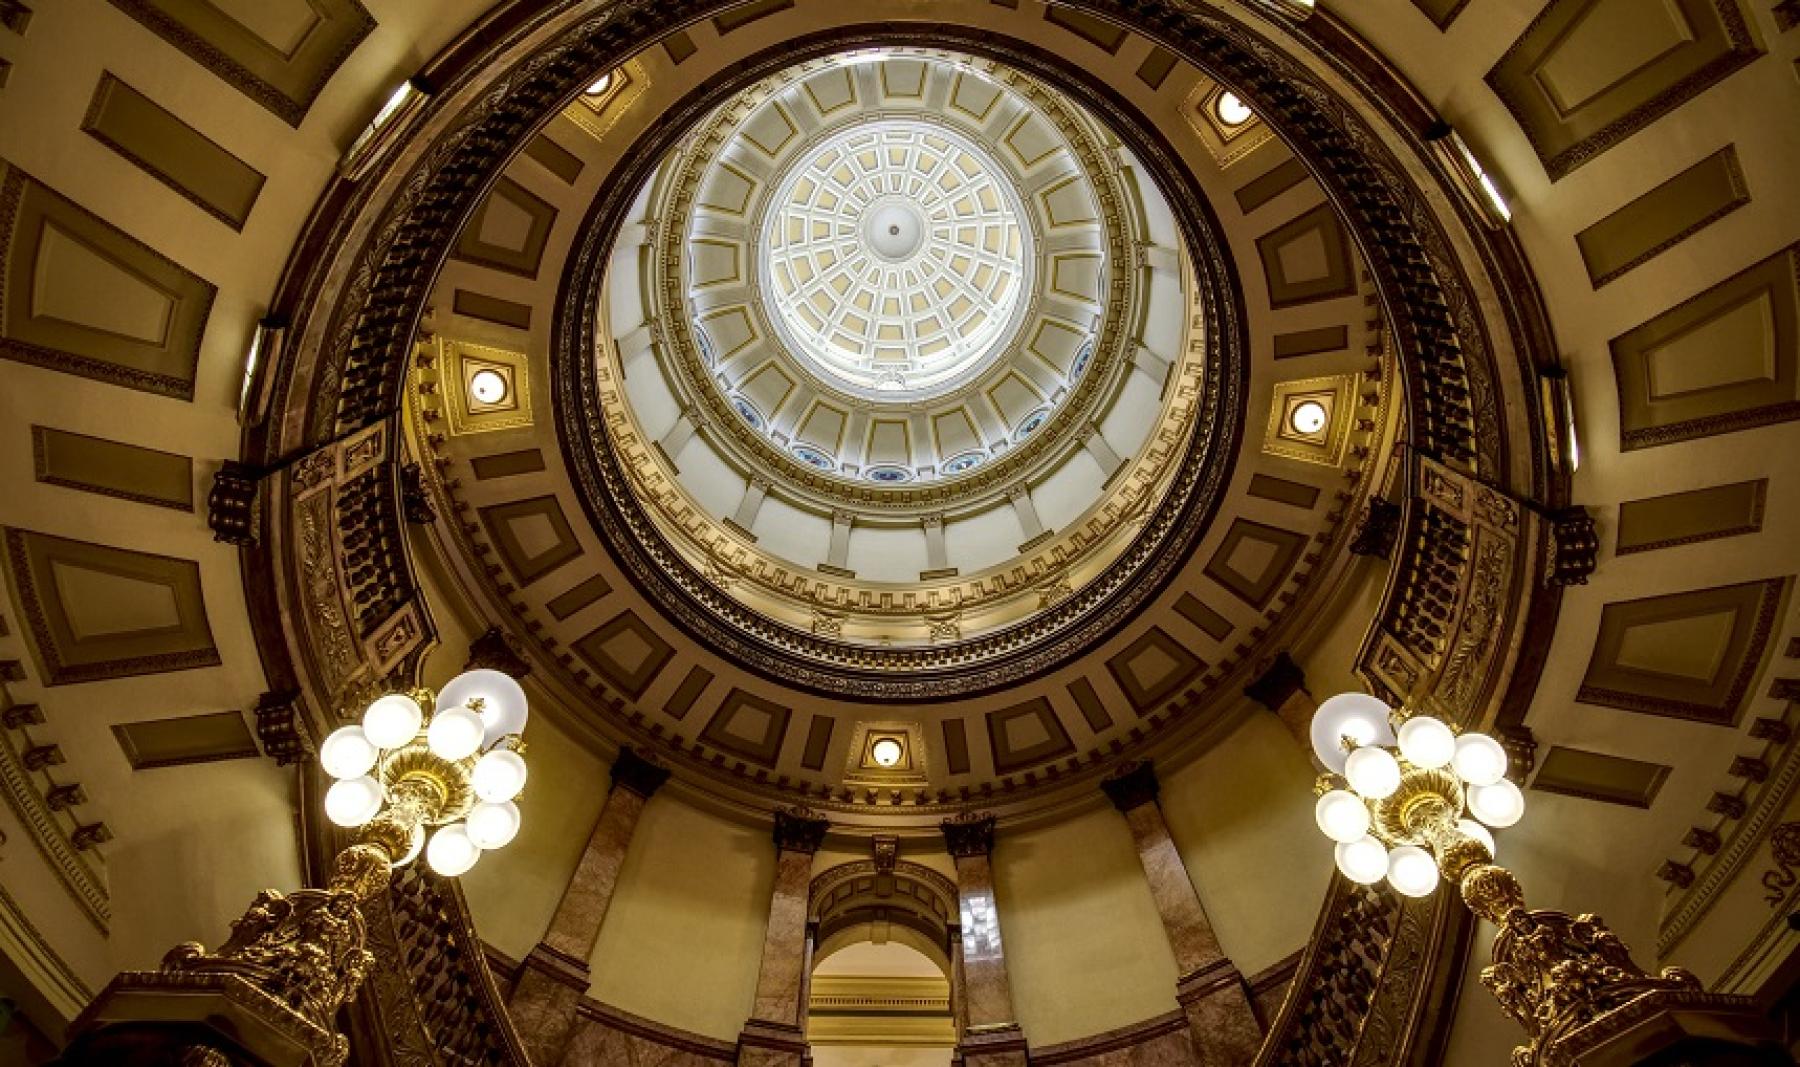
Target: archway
{"type": "Point", "coordinates": [882, 989]}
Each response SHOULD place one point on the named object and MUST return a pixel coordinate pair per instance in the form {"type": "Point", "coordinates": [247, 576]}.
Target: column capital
{"type": "Point", "coordinates": [1133, 785]}
{"type": "Point", "coordinates": [969, 834]}
{"type": "Point", "coordinates": [799, 829]}
{"type": "Point", "coordinates": [634, 772]}
{"type": "Point", "coordinates": [495, 652]}
{"type": "Point", "coordinates": [1281, 679]}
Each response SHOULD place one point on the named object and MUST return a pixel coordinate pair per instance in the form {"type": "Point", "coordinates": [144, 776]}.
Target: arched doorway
{"type": "Point", "coordinates": [882, 990]}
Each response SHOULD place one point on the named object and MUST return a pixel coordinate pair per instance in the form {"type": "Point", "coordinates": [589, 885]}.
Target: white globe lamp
{"type": "Point", "coordinates": [503, 708]}
{"type": "Point", "coordinates": [1411, 871]}
{"type": "Point", "coordinates": [392, 721]}
{"type": "Point", "coordinates": [499, 775]}
{"type": "Point", "coordinates": [353, 801]}
{"type": "Point", "coordinates": [1363, 861]}
{"type": "Point", "coordinates": [451, 851]}
{"type": "Point", "coordinates": [1373, 772]}
{"type": "Point", "coordinates": [1426, 742]}
{"type": "Point", "coordinates": [492, 826]}
{"type": "Point", "coordinates": [1342, 816]}
{"type": "Point", "coordinates": [1479, 759]}
{"type": "Point", "coordinates": [455, 732]}
{"type": "Point", "coordinates": [347, 753]}
{"type": "Point", "coordinates": [1498, 804]}
{"type": "Point", "coordinates": [1358, 716]}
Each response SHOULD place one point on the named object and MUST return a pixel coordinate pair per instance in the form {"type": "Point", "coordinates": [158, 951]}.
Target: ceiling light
{"type": "Point", "coordinates": [887, 752]}
{"type": "Point", "coordinates": [488, 387]}
{"type": "Point", "coordinates": [1231, 110]}
{"type": "Point", "coordinates": [599, 87]}
{"type": "Point", "coordinates": [1308, 417]}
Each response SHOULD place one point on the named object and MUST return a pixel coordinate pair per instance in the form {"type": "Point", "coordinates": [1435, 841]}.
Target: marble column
{"type": "Point", "coordinates": [775, 1034]}
{"type": "Point", "coordinates": [990, 1034]}
{"type": "Point", "coordinates": [1281, 688]}
{"type": "Point", "coordinates": [554, 976]}
{"type": "Point", "coordinates": [1211, 991]}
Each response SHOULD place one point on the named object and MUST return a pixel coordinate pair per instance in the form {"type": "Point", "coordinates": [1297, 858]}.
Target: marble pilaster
{"type": "Point", "coordinates": [775, 1033]}
{"type": "Point", "coordinates": [989, 1035]}
{"type": "Point", "coordinates": [554, 975]}
{"type": "Point", "coordinates": [1211, 991]}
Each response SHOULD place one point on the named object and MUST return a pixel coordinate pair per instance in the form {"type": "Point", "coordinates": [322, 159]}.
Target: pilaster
{"type": "Point", "coordinates": [1211, 991]}
{"type": "Point", "coordinates": [775, 1034]}
{"type": "Point", "coordinates": [990, 1034]}
{"type": "Point", "coordinates": [554, 975]}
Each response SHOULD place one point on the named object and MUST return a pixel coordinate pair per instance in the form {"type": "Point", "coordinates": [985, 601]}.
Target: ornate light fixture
{"type": "Point", "coordinates": [459, 772]}
{"type": "Point", "coordinates": [1397, 799]}
{"type": "Point", "coordinates": [293, 959]}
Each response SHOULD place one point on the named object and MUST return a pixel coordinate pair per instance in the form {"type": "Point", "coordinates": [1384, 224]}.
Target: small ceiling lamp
{"type": "Point", "coordinates": [601, 85]}
{"type": "Point", "coordinates": [1231, 110]}
{"type": "Point", "coordinates": [1308, 417]}
{"type": "Point", "coordinates": [488, 387]}
{"type": "Point", "coordinates": [887, 752]}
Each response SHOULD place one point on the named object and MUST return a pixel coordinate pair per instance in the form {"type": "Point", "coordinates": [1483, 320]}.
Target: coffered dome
{"type": "Point", "coordinates": [892, 376]}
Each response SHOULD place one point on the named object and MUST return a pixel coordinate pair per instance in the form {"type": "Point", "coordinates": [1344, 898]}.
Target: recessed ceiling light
{"type": "Point", "coordinates": [1231, 110]}
{"type": "Point", "coordinates": [599, 87]}
{"type": "Point", "coordinates": [1308, 417]}
{"type": "Point", "coordinates": [488, 387]}
{"type": "Point", "coordinates": [887, 752]}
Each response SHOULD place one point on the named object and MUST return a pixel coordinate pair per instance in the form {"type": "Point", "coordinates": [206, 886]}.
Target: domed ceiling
{"type": "Point", "coordinates": [896, 289]}
{"type": "Point", "coordinates": [881, 390]}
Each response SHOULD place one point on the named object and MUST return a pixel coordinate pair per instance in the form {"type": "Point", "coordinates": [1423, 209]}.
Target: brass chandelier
{"type": "Point", "coordinates": [1397, 798]}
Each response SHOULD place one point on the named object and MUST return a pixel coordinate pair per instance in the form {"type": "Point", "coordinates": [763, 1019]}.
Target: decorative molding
{"type": "Point", "coordinates": [494, 651]}
{"type": "Point", "coordinates": [969, 834]}
{"type": "Point", "coordinates": [84, 885]}
{"type": "Point", "coordinates": [799, 829]}
{"type": "Point", "coordinates": [638, 774]}
{"type": "Point", "coordinates": [1133, 785]}
{"type": "Point", "coordinates": [23, 946]}
{"type": "Point", "coordinates": [231, 511]}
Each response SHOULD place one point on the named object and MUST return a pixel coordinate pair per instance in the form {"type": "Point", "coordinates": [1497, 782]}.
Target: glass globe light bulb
{"type": "Point", "coordinates": [503, 706]}
{"type": "Point", "coordinates": [499, 775]}
{"type": "Point", "coordinates": [451, 852]}
{"type": "Point", "coordinates": [1342, 816]}
{"type": "Point", "coordinates": [1426, 742]}
{"type": "Point", "coordinates": [347, 753]}
{"type": "Point", "coordinates": [1479, 759]}
{"type": "Point", "coordinates": [413, 850]}
{"type": "Point", "coordinates": [353, 801]}
{"type": "Point", "coordinates": [392, 721]}
{"type": "Point", "coordinates": [1411, 871]}
{"type": "Point", "coordinates": [887, 752]}
{"type": "Point", "coordinates": [1363, 861]}
{"type": "Point", "coordinates": [1373, 772]}
{"type": "Point", "coordinates": [1499, 804]}
{"type": "Point", "coordinates": [1358, 716]}
{"type": "Point", "coordinates": [493, 826]}
{"type": "Point", "coordinates": [1471, 828]}
{"type": "Point", "coordinates": [455, 733]}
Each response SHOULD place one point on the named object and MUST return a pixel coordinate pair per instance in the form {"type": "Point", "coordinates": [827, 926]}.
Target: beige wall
{"type": "Point", "coordinates": [1084, 945]}
{"type": "Point", "coordinates": [683, 938]}
{"type": "Point", "coordinates": [513, 893]}
{"type": "Point", "coordinates": [1242, 817]}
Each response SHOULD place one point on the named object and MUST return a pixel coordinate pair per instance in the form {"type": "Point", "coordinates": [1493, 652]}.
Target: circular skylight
{"type": "Point", "coordinates": [896, 261]}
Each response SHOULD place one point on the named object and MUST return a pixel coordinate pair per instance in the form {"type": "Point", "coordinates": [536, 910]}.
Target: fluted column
{"type": "Point", "coordinates": [775, 1034]}
{"type": "Point", "coordinates": [990, 1035]}
{"type": "Point", "coordinates": [1281, 688]}
{"type": "Point", "coordinates": [1210, 989]}
{"type": "Point", "coordinates": [555, 973]}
